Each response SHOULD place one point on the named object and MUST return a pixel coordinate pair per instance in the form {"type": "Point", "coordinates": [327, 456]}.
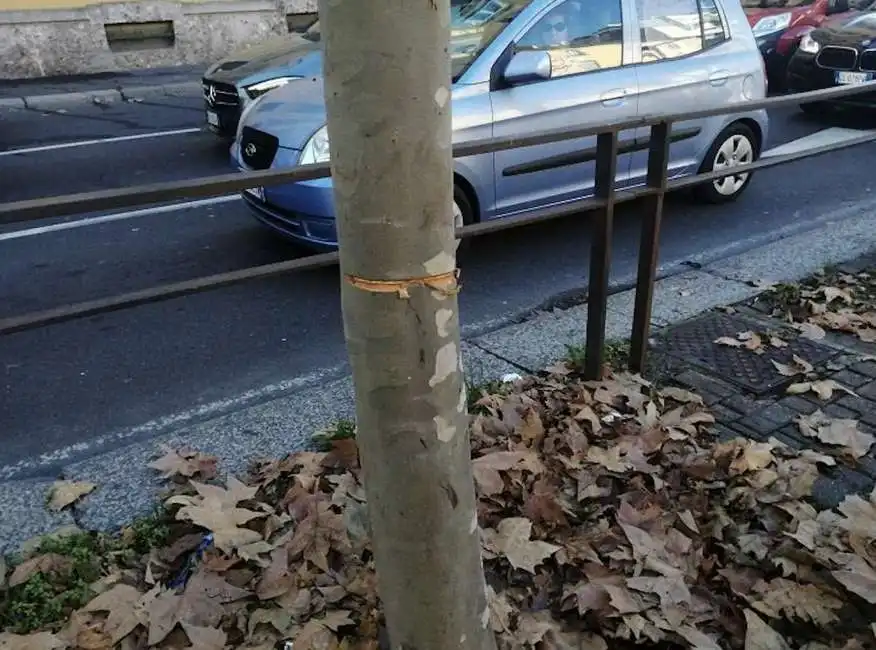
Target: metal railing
{"type": "Point", "coordinates": [605, 197]}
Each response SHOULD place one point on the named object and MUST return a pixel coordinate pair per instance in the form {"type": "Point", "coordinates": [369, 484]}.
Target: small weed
{"type": "Point", "coordinates": [476, 392]}
{"type": "Point", "coordinates": [576, 355]}
{"type": "Point", "coordinates": [615, 354]}
{"type": "Point", "coordinates": [340, 430]}
{"type": "Point", "coordinates": [145, 534]}
{"type": "Point", "coordinates": [784, 295]}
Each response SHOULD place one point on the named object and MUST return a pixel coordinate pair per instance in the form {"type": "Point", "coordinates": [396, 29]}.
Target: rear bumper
{"type": "Point", "coordinates": [804, 75]}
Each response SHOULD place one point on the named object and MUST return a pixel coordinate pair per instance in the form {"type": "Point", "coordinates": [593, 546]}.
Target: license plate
{"type": "Point", "coordinates": [853, 77]}
{"type": "Point", "coordinates": [257, 192]}
{"type": "Point", "coordinates": [212, 119]}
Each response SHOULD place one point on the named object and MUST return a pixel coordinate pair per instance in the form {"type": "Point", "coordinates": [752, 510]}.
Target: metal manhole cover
{"type": "Point", "coordinates": [693, 342]}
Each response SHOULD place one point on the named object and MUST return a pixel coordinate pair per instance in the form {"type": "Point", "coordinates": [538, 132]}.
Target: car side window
{"type": "Point", "coordinates": [579, 36]}
{"type": "Point", "coordinates": [671, 29]}
{"type": "Point", "coordinates": [713, 25]}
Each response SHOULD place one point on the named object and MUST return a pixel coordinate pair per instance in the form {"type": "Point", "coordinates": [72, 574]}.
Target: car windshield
{"type": "Point", "coordinates": [473, 26]}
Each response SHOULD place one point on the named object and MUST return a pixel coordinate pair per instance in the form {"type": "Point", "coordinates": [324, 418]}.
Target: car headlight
{"type": "Point", "coordinates": [246, 111]}
{"type": "Point", "coordinates": [809, 44]}
{"type": "Point", "coordinates": [317, 148]}
{"type": "Point", "coordinates": [260, 88]}
{"type": "Point", "coordinates": [772, 24]}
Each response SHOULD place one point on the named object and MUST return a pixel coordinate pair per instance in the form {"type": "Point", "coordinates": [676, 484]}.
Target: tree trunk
{"type": "Point", "coordinates": [387, 89]}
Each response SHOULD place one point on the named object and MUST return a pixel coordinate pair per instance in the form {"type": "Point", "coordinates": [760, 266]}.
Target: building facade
{"type": "Point", "coordinates": [55, 37]}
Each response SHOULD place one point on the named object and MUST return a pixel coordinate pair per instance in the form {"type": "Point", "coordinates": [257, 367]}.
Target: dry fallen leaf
{"type": "Point", "coordinates": [823, 388]}
{"type": "Point", "coordinates": [781, 597]}
{"type": "Point", "coordinates": [856, 575]}
{"type": "Point", "coordinates": [810, 330]}
{"type": "Point", "coordinates": [126, 608]}
{"type": "Point", "coordinates": [835, 293]}
{"type": "Point", "coordinates": [760, 636]}
{"type": "Point", "coordinates": [798, 366]}
{"type": "Point", "coordinates": [66, 493]}
{"type": "Point", "coordinates": [185, 462]}
{"type": "Point", "coordinates": [205, 638]}
{"type": "Point", "coordinates": [47, 563]}
{"type": "Point", "coordinates": [748, 340]}
{"type": "Point", "coordinates": [840, 432]}
{"type": "Point", "coordinates": [511, 539]}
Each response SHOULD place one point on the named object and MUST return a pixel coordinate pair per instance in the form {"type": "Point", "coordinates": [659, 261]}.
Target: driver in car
{"type": "Point", "coordinates": [556, 28]}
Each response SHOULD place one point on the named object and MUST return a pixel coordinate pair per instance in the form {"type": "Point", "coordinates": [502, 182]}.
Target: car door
{"type": "Point", "coordinates": [684, 64]}
{"type": "Point", "coordinates": [590, 82]}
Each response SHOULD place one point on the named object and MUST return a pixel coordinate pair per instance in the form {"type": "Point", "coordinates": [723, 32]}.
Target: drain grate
{"type": "Point", "coordinates": [693, 342]}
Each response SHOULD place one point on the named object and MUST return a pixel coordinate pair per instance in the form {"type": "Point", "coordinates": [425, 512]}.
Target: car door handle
{"type": "Point", "coordinates": [614, 97]}
{"type": "Point", "coordinates": [719, 77]}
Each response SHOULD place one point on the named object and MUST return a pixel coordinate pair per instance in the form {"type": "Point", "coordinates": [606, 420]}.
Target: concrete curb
{"type": "Point", "coordinates": [283, 423]}
{"type": "Point", "coordinates": [54, 101]}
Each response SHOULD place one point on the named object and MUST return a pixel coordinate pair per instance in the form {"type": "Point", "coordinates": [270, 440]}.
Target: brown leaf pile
{"type": "Point", "coordinates": [610, 518]}
{"type": "Point", "coordinates": [839, 302]}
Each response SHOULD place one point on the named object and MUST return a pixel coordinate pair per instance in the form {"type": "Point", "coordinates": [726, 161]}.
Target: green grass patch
{"type": "Point", "coordinates": [340, 430]}
{"type": "Point", "coordinates": [615, 353]}
{"type": "Point", "coordinates": [71, 564]}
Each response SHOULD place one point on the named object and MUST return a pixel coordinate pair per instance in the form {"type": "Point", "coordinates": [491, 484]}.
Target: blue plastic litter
{"type": "Point", "coordinates": [188, 567]}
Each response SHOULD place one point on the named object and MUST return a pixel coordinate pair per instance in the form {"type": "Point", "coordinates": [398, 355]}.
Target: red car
{"type": "Point", "coordinates": [778, 26]}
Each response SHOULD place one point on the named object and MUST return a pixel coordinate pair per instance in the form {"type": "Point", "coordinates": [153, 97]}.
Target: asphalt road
{"type": "Point", "coordinates": [79, 383]}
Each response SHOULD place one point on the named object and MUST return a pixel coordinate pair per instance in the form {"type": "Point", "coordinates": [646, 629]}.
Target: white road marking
{"type": "Point", "coordinates": [819, 138]}
{"type": "Point", "coordinates": [174, 424]}
{"type": "Point", "coordinates": [119, 216]}
{"type": "Point", "coordinates": [89, 143]}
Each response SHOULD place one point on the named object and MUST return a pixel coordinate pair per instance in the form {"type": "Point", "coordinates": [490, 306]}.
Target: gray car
{"type": "Point", "coordinates": [523, 66]}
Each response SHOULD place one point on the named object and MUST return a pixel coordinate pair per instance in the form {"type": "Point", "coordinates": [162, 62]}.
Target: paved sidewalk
{"type": "Point", "coordinates": [52, 92]}
{"type": "Point", "coordinates": [747, 392]}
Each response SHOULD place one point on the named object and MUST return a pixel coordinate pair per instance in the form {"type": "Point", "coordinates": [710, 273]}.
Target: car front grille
{"type": "Point", "coordinates": [220, 94]}
{"type": "Point", "coordinates": [837, 58]}
{"type": "Point", "coordinates": [257, 148]}
{"type": "Point", "coordinates": [868, 61]}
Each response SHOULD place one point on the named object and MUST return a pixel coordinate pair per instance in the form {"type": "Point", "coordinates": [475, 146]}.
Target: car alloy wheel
{"type": "Point", "coordinates": [736, 145]}
{"type": "Point", "coordinates": [734, 151]}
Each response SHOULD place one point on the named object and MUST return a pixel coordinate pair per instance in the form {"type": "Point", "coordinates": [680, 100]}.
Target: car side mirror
{"type": "Point", "coordinates": [528, 66]}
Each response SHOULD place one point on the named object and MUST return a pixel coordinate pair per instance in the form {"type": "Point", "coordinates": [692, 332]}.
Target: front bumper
{"type": "Point", "coordinates": [317, 233]}
{"type": "Point", "coordinates": [303, 212]}
{"type": "Point", "coordinates": [223, 106]}
{"type": "Point", "coordinates": [804, 75]}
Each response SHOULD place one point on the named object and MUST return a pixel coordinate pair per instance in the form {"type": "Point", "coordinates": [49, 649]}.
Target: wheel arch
{"type": "Point", "coordinates": [463, 184]}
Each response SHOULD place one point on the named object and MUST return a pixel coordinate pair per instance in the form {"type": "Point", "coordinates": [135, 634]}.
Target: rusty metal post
{"type": "Point", "coordinates": [649, 242]}
{"type": "Point", "coordinates": [600, 254]}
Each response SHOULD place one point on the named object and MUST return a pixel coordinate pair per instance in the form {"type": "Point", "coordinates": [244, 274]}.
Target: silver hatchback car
{"type": "Point", "coordinates": [523, 66]}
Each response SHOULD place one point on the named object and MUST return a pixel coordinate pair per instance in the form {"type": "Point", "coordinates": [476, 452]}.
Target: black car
{"type": "Point", "coordinates": [842, 52]}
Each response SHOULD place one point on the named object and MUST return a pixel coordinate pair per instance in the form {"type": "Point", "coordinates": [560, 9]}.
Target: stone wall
{"type": "Point", "coordinates": [38, 43]}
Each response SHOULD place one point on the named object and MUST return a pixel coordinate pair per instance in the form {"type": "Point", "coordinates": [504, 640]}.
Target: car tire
{"type": "Point", "coordinates": [735, 143]}
{"type": "Point", "coordinates": [463, 213]}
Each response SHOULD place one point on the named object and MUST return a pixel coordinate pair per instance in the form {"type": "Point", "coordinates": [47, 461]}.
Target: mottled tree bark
{"type": "Point", "coordinates": [387, 88]}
